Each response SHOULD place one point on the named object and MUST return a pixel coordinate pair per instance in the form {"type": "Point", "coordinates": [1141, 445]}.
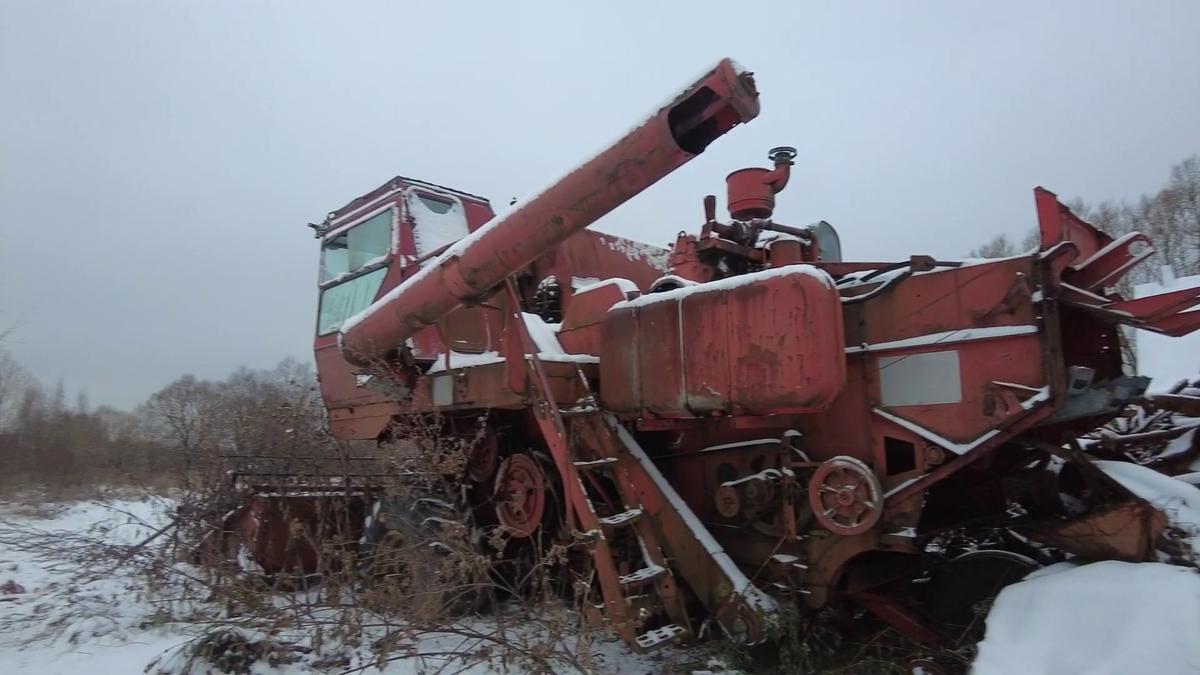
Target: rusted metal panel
{"type": "Point", "coordinates": [786, 355]}
{"type": "Point", "coordinates": [769, 346]}
{"type": "Point", "coordinates": [1126, 531]}
{"type": "Point", "coordinates": [659, 359]}
{"type": "Point", "coordinates": [619, 367]}
{"type": "Point", "coordinates": [363, 422]}
{"type": "Point", "coordinates": [580, 332]}
{"type": "Point", "coordinates": [705, 353]}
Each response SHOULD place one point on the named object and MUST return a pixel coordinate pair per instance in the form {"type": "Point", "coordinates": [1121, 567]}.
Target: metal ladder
{"type": "Point", "coordinates": [592, 442]}
{"type": "Point", "coordinates": [626, 600]}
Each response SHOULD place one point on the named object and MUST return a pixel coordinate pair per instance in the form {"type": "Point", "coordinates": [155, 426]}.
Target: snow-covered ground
{"type": "Point", "coordinates": [62, 624]}
{"type": "Point", "coordinates": [53, 620]}
{"type": "Point", "coordinates": [1105, 618]}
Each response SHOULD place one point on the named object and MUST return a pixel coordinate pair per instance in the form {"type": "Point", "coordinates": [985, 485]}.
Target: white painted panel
{"type": "Point", "coordinates": [920, 379]}
{"type": "Point", "coordinates": [443, 390]}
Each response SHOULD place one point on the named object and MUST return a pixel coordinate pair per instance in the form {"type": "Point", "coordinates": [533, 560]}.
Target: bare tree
{"type": "Point", "coordinates": [186, 416]}
{"type": "Point", "coordinates": [1003, 247]}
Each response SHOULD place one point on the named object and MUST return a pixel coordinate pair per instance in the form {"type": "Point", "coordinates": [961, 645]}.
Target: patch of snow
{"type": "Point", "coordinates": [655, 256]}
{"type": "Point", "coordinates": [461, 360]}
{"type": "Point", "coordinates": [1042, 396]}
{"type": "Point", "coordinates": [740, 444]}
{"type": "Point", "coordinates": [624, 285]}
{"type": "Point", "coordinates": [583, 282]}
{"type": "Point", "coordinates": [1123, 240]}
{"type": "Point", "coordinates": [728, 284]}
{"type": "Point", "coordinates": [1180, 501]}
{"type": "Point", "coordinates": [544, 335]}
{"type": "Point", "coordinates": [1179, 444]}
{"type": "Point", "coordinates": [855, 279]}
{"type": "Point", "coordinates": [673, 281]}
{"type": "Point", "coordinates": [945, 337]}
{"type": "Point", "coordinates": [433, 230]}
{"type": "Point", "coordinates": [1107, 618]}
{"type": "Point", "coordinates": [1165, 359]}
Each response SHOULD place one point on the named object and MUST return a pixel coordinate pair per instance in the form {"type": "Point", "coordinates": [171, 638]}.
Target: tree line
{"type": "Point", "coordinates": [48, 441]}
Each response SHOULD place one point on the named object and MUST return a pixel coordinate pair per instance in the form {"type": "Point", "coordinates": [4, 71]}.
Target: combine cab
{"type": "Point", "coordinates": [745, 420]}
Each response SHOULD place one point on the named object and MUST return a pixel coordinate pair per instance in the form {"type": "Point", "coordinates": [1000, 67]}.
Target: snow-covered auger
{"type": "Point", "coordinates": [744, 420]}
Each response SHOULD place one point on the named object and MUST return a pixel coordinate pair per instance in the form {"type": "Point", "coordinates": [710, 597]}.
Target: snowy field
{"type": "Point", "coordinates": [1102, 618]}
{"type": "Point", "coordinates": [54, 621]}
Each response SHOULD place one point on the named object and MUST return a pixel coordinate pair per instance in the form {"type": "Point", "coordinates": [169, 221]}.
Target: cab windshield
{"type": "Point", "coordinates": [346, 292]}
{"type": "Point", "coordinates": [346, 299]}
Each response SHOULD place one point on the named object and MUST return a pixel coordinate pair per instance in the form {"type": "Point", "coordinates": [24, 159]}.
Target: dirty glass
{"type": "Point", "coordinates": [357, 247]}
{"type": "Point", "coordinates": [346, 299]}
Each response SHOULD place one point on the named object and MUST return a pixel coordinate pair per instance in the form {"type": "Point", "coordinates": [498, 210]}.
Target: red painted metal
{"type": "Point", "coordinates": [752, 191]}
{"type": "Point", "coordinates": [720, 100]}
{"type": "Point", "coordinates": [821, 420]}
{"type": "Point", "coordinates": [694, 354]}
{"type": "Point", "coordinates": [520, 495]}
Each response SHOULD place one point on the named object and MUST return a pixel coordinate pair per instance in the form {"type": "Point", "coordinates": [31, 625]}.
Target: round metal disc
{"type": "Point", "coordinates": [845, 496]}
{"type": "Point", "coordinates": [520, 495]}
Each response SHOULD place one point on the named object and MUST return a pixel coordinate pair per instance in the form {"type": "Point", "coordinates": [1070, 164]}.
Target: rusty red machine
{"type": "Point", "coordinates": [744, 421]}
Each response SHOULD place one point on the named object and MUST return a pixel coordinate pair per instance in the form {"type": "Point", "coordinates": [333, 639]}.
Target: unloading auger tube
{"type": "Point", "coordinates": [470, 269]}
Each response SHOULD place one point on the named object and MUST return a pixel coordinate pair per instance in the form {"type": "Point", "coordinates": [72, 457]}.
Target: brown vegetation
{"type": "Point", "coordinates": [68, 449]}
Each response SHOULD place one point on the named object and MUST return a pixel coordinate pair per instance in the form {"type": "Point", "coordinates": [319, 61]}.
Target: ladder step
{"type": "Point", "coordinates": [659, 636]}
{"type": "Point", "coordinates": [578, 410]}
{"type": "Point", "coordinates": [621, 519]}
{"type": "Point", "coordinates": [639, 577]}
{"type": "Point", "coordinates": [597, 463]}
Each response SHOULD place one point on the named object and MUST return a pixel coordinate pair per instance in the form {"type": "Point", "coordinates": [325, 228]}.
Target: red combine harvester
{"type": "Point", "coordinates": [744, 420]}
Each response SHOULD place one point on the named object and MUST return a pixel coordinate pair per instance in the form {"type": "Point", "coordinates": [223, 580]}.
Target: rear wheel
{"type": "Point", "coordinates": [960, 592]}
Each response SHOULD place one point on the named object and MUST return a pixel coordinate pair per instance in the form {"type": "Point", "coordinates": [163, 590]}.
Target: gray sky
{"type": "Point", "coordinates": [159, 159]}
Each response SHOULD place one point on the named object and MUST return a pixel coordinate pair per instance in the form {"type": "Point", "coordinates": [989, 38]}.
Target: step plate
{"type": "Point", "coordinates": [659, 636]}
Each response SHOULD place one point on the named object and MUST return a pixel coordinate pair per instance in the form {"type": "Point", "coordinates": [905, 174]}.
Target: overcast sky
{"type": "Point", "coordinates": [159, 159]}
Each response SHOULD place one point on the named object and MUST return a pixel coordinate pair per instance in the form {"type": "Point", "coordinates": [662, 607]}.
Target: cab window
{"type": "Point", "coordinates": [344, 300]}
{"type": "Point", "coordinates": [361, 245]}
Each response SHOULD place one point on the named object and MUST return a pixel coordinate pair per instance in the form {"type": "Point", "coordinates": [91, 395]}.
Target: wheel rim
{"type": "Point", "coordinates": [958, 586]}
{"type": "Point", "coordinates": [520, 495]}
{"type": "Point", "coordinates": [845, 496]}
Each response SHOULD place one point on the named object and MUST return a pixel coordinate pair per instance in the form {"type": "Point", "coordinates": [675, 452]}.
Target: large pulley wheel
{"type": "Point", "coordinates": [845, 496]}
{"type": "Point", "coordinates": [520, 495]}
